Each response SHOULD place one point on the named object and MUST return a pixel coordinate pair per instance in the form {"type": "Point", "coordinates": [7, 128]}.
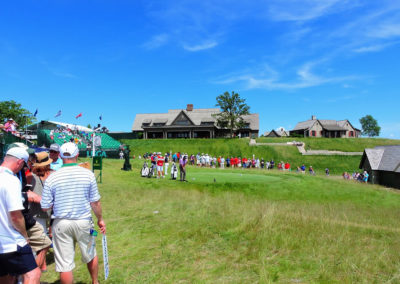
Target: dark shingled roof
{"type": "Point", "coordinates": [383, 158]}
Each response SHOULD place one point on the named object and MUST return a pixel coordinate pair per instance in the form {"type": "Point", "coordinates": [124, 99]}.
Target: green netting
{"type": "Point", "coordinates": [7, 139]}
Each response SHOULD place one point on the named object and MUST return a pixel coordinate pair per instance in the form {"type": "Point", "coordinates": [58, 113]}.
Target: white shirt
{"type": "Point", "coordinates": [10, 200]}
{"type": "Point", "coordinates": [70, 190]}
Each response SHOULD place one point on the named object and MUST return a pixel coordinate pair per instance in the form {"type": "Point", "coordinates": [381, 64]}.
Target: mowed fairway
{"type": "Point", "coordinates": [247, 226]}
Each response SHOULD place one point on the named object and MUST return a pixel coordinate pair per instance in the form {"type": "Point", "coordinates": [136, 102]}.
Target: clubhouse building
{"type": "Point", "coordinates": [190, 123]}
{"type": "Point", "coordinates": [325, 128]}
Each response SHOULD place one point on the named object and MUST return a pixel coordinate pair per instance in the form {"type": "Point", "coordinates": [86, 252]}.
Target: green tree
{"type": "Point", "coordinates": [89, 126]}
{"type": "Point", "coordinates": [232, 110]}
{"type": "Point", "coordinates": [369, 126]}
{"type": "Point", "coordinates": [14, 110]}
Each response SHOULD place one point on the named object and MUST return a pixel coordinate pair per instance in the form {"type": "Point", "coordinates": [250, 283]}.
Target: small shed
{"type": "Point", "coordinates": [383, 165]}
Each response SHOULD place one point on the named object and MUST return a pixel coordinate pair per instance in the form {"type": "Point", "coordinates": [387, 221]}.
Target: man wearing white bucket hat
{"type": "Point", "coordinates": [72, 193]}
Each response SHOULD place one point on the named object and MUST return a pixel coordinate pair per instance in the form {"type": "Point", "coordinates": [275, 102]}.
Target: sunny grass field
{"type": "Point", "coordinates": [249, 226]}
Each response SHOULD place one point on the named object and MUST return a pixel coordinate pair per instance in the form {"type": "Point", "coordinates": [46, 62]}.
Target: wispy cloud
{"type": "Point", "coordinates": [300, 10]}
{"type": "Point", "coordinates": [57, 71]}
{"type": "Point", "coordinates": [305, 79]}
{"type": "Point", "coordinates": [156, 41]}
{"type": "Point", "coordinates": [386, 30]}
{"type": "Point", "coordinates": [374, 48]}
{"type": "Point", "coordinates": [199, 47]}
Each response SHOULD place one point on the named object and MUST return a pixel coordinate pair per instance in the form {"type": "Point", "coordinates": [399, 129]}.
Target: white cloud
{"type": "Point", "coordinates": [300, 10]}
{"type": "Point", "coordinates": [305, 79]}
{"type": "Point", "coordinates": [156, 41]}
{"type": "Point", "coordinates": [202, 46]}
{"type": "Point", "coordinates": [372, 48]}
{"type": "Point", "coordinates": [386, 30]}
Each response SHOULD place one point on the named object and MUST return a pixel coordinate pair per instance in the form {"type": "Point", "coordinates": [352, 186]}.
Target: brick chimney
{"type": "Point", "coordinates": [313, 117]}
{"type": "Point", "coordinates": [189, 107]}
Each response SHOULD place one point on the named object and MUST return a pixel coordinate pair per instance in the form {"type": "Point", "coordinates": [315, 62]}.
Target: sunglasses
{"type": "Point", "coordinates": [52, 151]}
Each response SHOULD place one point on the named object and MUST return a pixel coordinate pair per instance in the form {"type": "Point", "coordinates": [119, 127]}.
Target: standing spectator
{"type": "Point", "coordinates": [182, 167]}
{"type": "Point", "coordinates": [327, 172]}
{"type": "Point", "coordinates": [272, 164]}
{"type": "Point", "coordinates": [303, 169]}
{"type": "Point", "coordinates": [311, 170]}
{"type": "Point", "coordinates": [222, 162]}
{"type": "Point", "coordinates": [41, 171]}
{"type": "Point", "coordinates": [55, 156]}
{"type": "Point", "coordinates": [365, 176]}
{"type": "Point", "coordinates": [121, 155]}
{"type": "Point", "coordinates": [198, 159]}
{"type": "Point", "coordinates": [166, 163]}
{"type": "Point", "coordinates": [160, 165]}
{"type": "Point", "coordinates": [72, 216]}
{"type": "Point", "coordinates": [203, 160]}
{"type": "Point", "coordinates": [16, 256]}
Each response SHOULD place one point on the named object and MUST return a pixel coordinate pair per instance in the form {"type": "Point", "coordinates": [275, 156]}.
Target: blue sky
{"type": "Point", "coordinates": [335, 59]}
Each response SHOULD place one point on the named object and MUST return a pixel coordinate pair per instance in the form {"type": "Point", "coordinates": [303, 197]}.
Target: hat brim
{"type": "Point", "coordinates": [48, 162]}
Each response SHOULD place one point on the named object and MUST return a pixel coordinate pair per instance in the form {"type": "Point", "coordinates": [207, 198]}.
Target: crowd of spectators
{"type": "Point", "coordinates": [357, 176]}
{"type": "Point", "coordinates": [212, 161]}
{"type": "Point", "coordinates": [36, 211]}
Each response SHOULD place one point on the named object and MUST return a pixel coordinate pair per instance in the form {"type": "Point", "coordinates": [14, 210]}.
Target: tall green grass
{"type": "Point", "coordinates": [338, 144]}
{"type": "Point", "coordinates": [249, 226]}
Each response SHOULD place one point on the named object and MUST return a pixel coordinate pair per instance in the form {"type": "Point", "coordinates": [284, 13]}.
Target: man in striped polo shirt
{"type": "Point", "coordinates": [72, 193]}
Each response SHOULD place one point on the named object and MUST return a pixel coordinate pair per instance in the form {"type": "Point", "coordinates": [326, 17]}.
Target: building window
{"type": "Point", "coordinates": [313, 133]}
{"type": "Point", "coordinates": [351, 133]}
{"type": "Point", "coordinates": [159, 124]}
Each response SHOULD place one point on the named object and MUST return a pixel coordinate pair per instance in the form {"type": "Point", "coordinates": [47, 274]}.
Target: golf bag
{"type": "Point", "coordinates": [174, 171]}
{"type": "Point", "coordinates": [151, 170]}
{"type": "Point", "coordinates": [145, 170]}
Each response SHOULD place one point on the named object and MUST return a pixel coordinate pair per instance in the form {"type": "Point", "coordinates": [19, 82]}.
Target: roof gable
{"type": "Point", "coordinates": [182, 119]}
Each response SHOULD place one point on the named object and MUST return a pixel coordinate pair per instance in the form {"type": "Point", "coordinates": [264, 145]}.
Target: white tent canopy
{"type": "Point", "coordinates": [53, 125]}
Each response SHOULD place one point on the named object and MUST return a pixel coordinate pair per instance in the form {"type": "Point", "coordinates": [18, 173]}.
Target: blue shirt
{"type": "Point", "coordinates": [56, 165]}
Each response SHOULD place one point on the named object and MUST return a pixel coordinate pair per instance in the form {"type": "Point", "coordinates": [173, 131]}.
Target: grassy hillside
{"type": "Point", "coordinates": [240, 148]}
{"type": "Point", "coordinates": [246, 227]}
{"type": "Point", "coordinates": [339, 144]}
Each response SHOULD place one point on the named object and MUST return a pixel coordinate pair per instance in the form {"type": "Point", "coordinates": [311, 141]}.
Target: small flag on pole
{"type": "Point", "coordinates": [105, 257]}
{"type": "Point", "coordinates": [58, 113]}
{"type": "Point", "coordinates": [35, 113]}
{"type": "Point", "coordinates": [79, 115]}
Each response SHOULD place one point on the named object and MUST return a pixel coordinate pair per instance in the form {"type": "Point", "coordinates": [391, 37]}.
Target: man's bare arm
{"type": "Point", "coordinates": [18, 222]}
{"type": "Point", "coordinates": [96, 207]}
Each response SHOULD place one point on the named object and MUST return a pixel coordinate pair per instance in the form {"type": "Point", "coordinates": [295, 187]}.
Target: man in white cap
{"type": "Point", "coordinates": [72, 193]}
{"type": "Point", "coordinates": [16, 257]}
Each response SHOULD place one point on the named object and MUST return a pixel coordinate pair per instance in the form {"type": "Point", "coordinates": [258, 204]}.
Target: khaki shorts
{"type": "Point", "coordinates": [65, 234]}
{"type": "Point", "coordinates": [38, 239]}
